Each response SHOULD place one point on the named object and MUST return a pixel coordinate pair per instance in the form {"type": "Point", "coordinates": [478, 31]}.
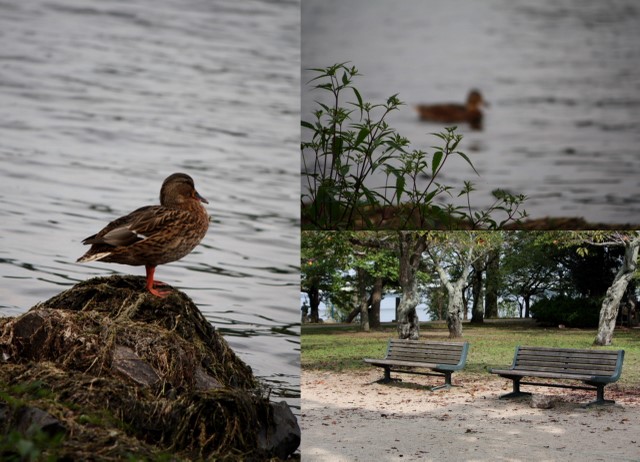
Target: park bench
{"type": "Point", "coordinates": [405, 356]}
{"type": "Point", "coordinates": [595, 368]}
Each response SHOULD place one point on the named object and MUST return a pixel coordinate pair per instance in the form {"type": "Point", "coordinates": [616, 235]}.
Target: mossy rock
{"type": "Point", "coordinates": [131, 375]}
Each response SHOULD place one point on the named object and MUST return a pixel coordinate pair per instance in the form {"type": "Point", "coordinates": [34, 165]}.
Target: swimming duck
{"type": "Point", "coordinates": [451, 113]}
{"type": "Point", "coordinates": [155, 234]}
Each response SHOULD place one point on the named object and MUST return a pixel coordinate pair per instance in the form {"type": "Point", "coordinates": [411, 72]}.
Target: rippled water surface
{"type": "Point", "coordinates": [100, 101]}
{"type": "Point", "coordinates": [562, 79]}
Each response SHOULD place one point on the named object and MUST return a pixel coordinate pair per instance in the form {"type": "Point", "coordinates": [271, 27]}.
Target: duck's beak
{"type": "Point", "coordinates": [200, 198]}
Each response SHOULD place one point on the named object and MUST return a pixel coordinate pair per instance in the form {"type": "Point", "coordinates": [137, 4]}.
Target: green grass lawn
{"type": "Point", "coordinates": [342, 347]}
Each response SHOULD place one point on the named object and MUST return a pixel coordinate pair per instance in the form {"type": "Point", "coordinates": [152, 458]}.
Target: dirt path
{"type": "Point", "coordinates": [349, 417]}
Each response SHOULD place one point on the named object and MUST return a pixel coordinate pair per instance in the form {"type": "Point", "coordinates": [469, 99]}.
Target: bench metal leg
{"type": "Point", "coordinates": [516, 389]}
{"type": "Point", "coordinates": [447, 382]}
{"type": "Point", "coordinates": [387, 376]}
{"type": "Point", "coordinates": [600, 401]}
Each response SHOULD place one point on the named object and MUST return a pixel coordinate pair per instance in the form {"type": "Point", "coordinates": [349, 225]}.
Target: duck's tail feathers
{"type": "Point", "coordinates": [94, 257]}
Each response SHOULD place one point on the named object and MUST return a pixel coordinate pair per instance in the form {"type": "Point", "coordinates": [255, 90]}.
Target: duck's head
{"type": "Point", "coordinates": [475, 100]}
{"type": "Point", "coordinates": [178, 189]}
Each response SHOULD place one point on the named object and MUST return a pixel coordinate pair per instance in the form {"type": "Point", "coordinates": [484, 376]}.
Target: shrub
{"type": "Point", "coordinates": [570, 311]}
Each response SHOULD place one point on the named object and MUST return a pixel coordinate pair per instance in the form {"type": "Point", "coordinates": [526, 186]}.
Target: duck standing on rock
{"type": "Point", "coordinates": [155, 234]}
{"type": "Point", "coordinates": [453, 113]}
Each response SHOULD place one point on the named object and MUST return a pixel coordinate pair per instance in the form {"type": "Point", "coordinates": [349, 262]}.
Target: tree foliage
{"type": "Point", "coordinates": [323, 254]}
{"type": "Point", "coordinates": [559, 276]}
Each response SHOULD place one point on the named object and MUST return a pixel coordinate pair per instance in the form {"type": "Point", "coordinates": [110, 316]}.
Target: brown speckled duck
{"type": "Point", "coordinates": [453, 113]}
{"type": "Point", "coordinates": [155, 234]}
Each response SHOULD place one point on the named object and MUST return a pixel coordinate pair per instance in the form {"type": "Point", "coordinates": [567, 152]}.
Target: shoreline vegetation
{"type": "Point", "coordinates": [388, 218]}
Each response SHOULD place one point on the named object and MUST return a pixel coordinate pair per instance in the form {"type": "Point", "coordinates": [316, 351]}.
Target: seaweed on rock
{"type": "Point", "coordinates": [150, 374]}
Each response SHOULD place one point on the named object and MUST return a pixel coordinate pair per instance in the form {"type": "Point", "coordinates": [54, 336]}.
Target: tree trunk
{"type": "Point", "coordinates": [363, 299]}
{"type": "Point", "coordinates": [376, 299]}
{"type": "Point", "coordinates": [454, 315]}
{"type": "Point", "coordinates": [611, 302]}
{"type": "Point", "coordinates": [440, 305]}
{"type": "Point", "coordinates": [492, 284]}
{"type": "Point", "coordinates": [353, 314]}
{"type": "Point", "coordinates": [465, 303]}
{"type": "Point", "coordinates": [314, 301]}
{"type": "Point", "coordinates": [527, 305]}
{"type": "Point", "coordinates": [456, 305]}
{"type": "Point", "coordinates": [411, 247]}
{"type": "Point", "coordinates": [477, 310]}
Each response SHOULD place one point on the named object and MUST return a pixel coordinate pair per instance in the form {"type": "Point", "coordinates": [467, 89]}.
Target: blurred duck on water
{"type": "Point", "coordinates": [454, 113]}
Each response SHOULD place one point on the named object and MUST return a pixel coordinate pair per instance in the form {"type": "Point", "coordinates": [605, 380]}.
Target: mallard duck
{"type": "Point", "coordinates": [155, 234]}
{"type": "Point", "coordinates": [452, 113]}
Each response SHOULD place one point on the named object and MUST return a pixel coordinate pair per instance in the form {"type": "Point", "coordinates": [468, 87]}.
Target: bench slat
{"type": "Point", "coordinates": [577, 361]}
{"type": "Point", "coordinates": [386, 362]}
{"type": "Point", "coordinates": [605, 368]}
{"type": "Point", "coordinates": [542, 374]}
{"type": "Point", "coordinates": [447, 359]}
{"type": "Point", "coordinates": [432, 352]}
{"type": "Point", "coordinates": [563, 351]}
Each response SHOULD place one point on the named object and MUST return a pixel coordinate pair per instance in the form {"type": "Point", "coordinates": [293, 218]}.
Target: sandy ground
{"type": "Point", "coordinates": [350, 417]}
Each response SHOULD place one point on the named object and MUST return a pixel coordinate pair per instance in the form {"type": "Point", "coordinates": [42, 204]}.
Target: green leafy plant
{"type": "Point", "coordinates": [37, 446]}
{"type": "Point", "coordinates": [351, 142]}
{"type": "Point", "coordinates": [570, 311]}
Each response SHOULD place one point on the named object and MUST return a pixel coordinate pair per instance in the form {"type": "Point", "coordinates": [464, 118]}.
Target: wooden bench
{"type": "Point", "coordinates": [405, 356]}
{"type": "Point", "coordinates": [595, 368]}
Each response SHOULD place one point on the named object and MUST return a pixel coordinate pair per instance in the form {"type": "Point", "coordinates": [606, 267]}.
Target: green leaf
{"type": "Point", "coordinates": [429, 197]}
{"type": "Point", "coordinates": [400, 183]}
{"type": "Point", "coordinates": [358, 97]}
{"type": "Point", "coordinates": [364, 132]}
{"type": "Point", "coordinates": [465, 157]}
{"type": "Point", "coordinates": [435, 162]}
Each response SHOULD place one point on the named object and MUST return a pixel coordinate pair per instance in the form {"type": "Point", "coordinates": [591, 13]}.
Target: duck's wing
{"type": "Point", "coordinates": [139, 225]}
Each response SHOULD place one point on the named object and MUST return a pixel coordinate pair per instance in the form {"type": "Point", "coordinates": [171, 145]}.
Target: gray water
{"type": "Point", "coordinates": [561, 77]}
{"type": "Point", "coordinates": [100, 101]}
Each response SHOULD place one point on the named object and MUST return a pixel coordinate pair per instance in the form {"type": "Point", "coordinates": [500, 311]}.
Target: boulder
{"type": "Point", "coordinates": [123, 373]}
{"type": "Point", "coordinates": [542, 401]}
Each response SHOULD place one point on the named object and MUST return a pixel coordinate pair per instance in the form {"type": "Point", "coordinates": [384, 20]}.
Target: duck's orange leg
{"type": "Point", "coordinates": [150, 283]}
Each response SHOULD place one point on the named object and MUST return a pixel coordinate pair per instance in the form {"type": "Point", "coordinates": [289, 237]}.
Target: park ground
{"type": "Point", "coordinates": [347, 416]}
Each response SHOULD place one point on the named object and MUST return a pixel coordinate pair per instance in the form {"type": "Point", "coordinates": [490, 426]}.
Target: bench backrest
{"type": "Point", "coordinates": [427, 352]}
{"type": "Point", "coordinates": [605, 363]}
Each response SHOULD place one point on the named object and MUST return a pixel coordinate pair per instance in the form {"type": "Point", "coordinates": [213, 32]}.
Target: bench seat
{"type": "Point", "coordinates": [546, 375]}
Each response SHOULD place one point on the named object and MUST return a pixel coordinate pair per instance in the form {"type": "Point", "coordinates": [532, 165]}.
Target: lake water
{"type": "Point", "coordinates": [387, 310]}
{"type": "Point", "coordinates": [100, 101]}
{"type": "Point", "coordinates": [561, 77]}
